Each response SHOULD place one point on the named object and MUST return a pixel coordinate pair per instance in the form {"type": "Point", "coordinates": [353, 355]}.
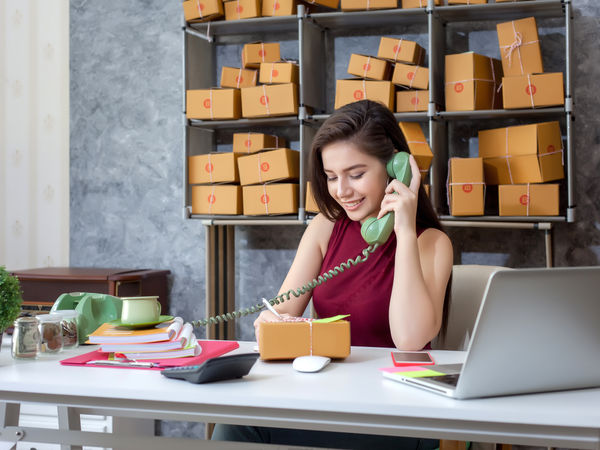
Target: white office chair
{"type": "Point", "coordinates": [466, 294]}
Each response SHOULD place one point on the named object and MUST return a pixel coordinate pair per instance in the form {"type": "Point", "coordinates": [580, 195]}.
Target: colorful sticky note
{"type": "Point", "coordinates": [332, 319]}
{"type": "Point", "coordinates": [403, 369]}
{"type": "Point", "coordinates": [420, 373]}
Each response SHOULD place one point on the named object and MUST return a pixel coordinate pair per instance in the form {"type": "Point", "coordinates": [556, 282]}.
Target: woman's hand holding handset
{"type": "Point", "coordinates": [402, 200]}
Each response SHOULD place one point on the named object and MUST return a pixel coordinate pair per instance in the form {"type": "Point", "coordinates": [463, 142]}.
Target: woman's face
{"type": "Point", "coordinates": [355, 179]}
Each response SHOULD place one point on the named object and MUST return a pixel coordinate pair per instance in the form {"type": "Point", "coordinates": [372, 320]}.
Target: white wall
{"type": "Point", "coordinates": [34, 133]}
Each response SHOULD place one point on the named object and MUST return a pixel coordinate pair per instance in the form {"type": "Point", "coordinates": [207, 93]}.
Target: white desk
{"type": "Point", "coordinates": [349, 395]}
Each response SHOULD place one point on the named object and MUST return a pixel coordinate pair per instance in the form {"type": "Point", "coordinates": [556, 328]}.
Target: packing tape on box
{"type": "Point", "coordinates": [516, 45]}
{"type": "Point", "coordinates": [239, 79]}
{"type": "Point", "coordinates": [199, 7]}
{"type": "Point", "coordinates": [210, 167]}
{"type": "Point", "coordinates": [238, 9]}
{"type": "Point", "coordinates": [259, 168]}
{"type": "Point", "coordinates": [212, 116]}
{"type": "Point", "coordinates": [414, 75]}
{"type": "Point", "coordinates": [266, 98]}
{"type": "Point", "coordinates": [211, 199]}
{"type": "Point", "coordinates": [367, 65]}
{"type": "Point", "coordinates": [398, 46]}
{"type": "Point", "coordinates": [265, 199]}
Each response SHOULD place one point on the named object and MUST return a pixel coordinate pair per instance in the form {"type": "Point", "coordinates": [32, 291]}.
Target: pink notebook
{"type": "Point", "coordinates": [210, 349]}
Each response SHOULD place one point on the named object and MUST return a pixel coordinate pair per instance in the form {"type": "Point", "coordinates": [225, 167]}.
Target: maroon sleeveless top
{"type": "Point", "coordinates": [363, 291]}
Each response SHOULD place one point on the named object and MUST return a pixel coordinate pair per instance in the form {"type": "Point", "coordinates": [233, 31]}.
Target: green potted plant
{"type": "Point", "coordinates": [10, 299]}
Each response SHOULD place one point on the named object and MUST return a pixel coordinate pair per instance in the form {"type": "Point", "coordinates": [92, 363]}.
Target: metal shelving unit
{"type": "Point", "coordinates": [313, 32]}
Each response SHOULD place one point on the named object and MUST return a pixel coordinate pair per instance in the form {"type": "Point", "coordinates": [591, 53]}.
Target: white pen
{"type": "Point", "coordinates": [270, 308]}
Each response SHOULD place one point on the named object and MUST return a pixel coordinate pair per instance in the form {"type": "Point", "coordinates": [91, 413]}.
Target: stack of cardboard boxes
{"type": "Point", "coordinates": [196, 11]}
{"type": "Point", "coordinates": [517, 158]}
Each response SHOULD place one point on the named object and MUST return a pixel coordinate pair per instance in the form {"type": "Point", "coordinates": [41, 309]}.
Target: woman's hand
{"type": "Point", "coordinates": [267, 316]}
{"type": "Point", "coordinates": [402, 200]}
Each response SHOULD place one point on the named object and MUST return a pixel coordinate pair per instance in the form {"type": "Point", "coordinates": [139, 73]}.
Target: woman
{"type": "Point", "coordinates": [396, 298]}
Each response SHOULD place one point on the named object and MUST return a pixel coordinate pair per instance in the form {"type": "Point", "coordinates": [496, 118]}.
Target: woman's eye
{"type": "Point", "coordinates": [331, 178]}
{"type": "Point", "coordinates": [357, 175]}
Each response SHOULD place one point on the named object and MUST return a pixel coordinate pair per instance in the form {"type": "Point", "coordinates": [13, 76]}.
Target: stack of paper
{"type": "Point", "coordinates": [172, 339]}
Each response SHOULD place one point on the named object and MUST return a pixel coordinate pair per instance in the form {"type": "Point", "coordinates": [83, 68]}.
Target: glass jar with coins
{"type": "Point", "coordinates": [25, 338]}
{"type": "Point", "coordinates": [51, 338]}
{"type": "Point", "coordinates": [68, 324]}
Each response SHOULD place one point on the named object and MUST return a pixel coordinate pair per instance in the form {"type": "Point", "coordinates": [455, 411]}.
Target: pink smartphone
{"type": "Point", "coordinates": [412, 358]}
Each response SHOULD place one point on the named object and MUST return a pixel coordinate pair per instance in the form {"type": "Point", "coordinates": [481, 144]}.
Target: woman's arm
{"type": "Point", "coordinates": [421, 271]}
{"type": "Point", "coordinates": [305, 267]}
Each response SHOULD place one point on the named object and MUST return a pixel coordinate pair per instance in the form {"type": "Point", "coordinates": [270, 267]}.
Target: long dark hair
{"type": "Point", "coordinates": [373, 129]}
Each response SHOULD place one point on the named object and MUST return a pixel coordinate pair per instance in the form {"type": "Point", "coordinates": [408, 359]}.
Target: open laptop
{"type": "Point", "coordinates": [537, 330]}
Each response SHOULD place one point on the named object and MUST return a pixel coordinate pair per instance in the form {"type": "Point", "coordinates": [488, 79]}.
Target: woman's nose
{"type": "Point", "coordinates": [343, 188]}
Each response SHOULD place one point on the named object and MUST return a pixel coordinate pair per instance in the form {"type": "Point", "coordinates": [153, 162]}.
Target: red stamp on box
{"type": "Point", "coordinates": [239, 9]}
{"type": "Point", "coordinates": [524, 199]}
{"type": "Point", "coordinates": [459, 87]}
{"type": "Point", "coordinates": [209, 167]}
{"type": "Point", "coordinates": [414, 100]}
{"type": "Point", "coordinates": [207, 103]}
{"type": "Point", "coordinates": [276, 6]}
{"type": "Point", "coordinates": [248, 143]}
{"type": "Point", "coordinates": [265, 167]}
{"type": "Point", "coordinates": [200, 6]}
{"type": "Point", "coordinates": [262, 53]}
{"type": "Point", "coordinates": [367, 66]}
{"type": "Point", "coordinates": [467, 188]}
{"type": "Point", "coordinates": [530, 89]}
{"type": "Point", "coordinates": [550, 149]}
{"type": "Point", "coordinates": [264, 99]}
{"type": "Point", "coordinates": [358, 95]}
{"type": "Point", "coordinates": [264, 199]}
{"type": "Point", "coordinates": [410, 75]}
{"type": "Point", "coordinates": [211, 199]}
{"type": "Point", "coordinates": [239, 79]}
{"type": "Point", "coordinates": [397, 48]}
{"type": "Point", "coordinates": [274, 73]}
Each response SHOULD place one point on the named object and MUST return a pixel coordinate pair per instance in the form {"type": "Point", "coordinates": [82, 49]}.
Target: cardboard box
{"type": "Point", "coordinates": [472, 82]}
{"type": "Point", "coordinates": [213, 104]}
{"type": "Point", "coordinates": [213, 168]}
{"type": "Point", "coordinates": [270, 100]}
{"type": "Point", "coordinates": [217, 199]}
{"type": "Point", "coordinates": [270, 199]}
{"type": "Point", "coordinates": [414, 77]}
{"type": "Point", "coordinates": [279, 8]}
{"type": "Point", "coordinates": [520, 47]}
{"type": "Point", "coordinates": [533, 90]}
{"type": "Point", "coordinates": [234, 77]}
{"type": "Point", "coordinates": [242, 9]}
{"type": "Point", "coordinates": [255, 142]}
{"type": "Point", "coordinates": [522, 154]}
{"type": "Point", "coordinates": [368, 67]}
{"type": "Point", "coordinates": [201, 10]}
{"type": "Point", "coordinates": [273, 165]}
{"type": "Point", "coordinates": [278, 73]}
{"type": "Point", "coordinates": [407, 101]}
{"type": "Point", "coordinates": [349, 91]}
{"type": "Point", "coordinates": [528, 199]}
{"type": "Point", "coordinates": [367, 5]}
{"type": "Point", "coordinates": [406, 4]}
{"type": "Point", "coordinates": [259, 52]}
{"type": "Point", "coordinates": [310, 204]}
{"type": "Point", "coordinates": [466, 187]}
{"type": "Point", "coordinates": [400, 50]}
{"type": "Point", "coordinates": [466, 2]}
{"type": "Point", "coordinates": [417, 144]}
{"type": "Point", "coordinates": [288, 340]}
{"type": "Point", "coordinates": [333, 4]}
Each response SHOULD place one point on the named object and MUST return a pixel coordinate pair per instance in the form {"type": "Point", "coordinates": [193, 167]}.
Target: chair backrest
{"type": "Point", "coordinates": [466, 294]}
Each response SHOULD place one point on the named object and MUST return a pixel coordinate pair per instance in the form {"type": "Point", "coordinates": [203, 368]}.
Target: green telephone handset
{"type": "Point", "coordinates": [377, 231]}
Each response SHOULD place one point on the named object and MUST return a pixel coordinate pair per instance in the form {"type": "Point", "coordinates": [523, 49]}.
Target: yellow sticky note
{"type": "Point", "coordinates": [421, 373]}
{"type": "Point", "coordinates": [332, 319]}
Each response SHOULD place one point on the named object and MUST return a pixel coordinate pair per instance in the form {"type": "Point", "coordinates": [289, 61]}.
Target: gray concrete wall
{"type": "Point", "coordinates": [127, 157]}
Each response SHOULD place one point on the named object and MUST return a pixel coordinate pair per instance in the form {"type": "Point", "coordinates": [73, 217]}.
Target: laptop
{"type": "Point", "coordinates": [537, 330]}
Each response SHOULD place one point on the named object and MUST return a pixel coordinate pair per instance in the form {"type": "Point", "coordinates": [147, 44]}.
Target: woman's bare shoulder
{"type": "Point", "coordinates": [319, 231]}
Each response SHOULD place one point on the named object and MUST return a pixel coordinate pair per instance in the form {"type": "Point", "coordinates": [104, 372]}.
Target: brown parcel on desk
{"type": "Point", "coordinates": [413, 77]}
{"type": "Point", "coordinates": [270, 199]}
{"type": "Point", "coordinates": [260, 52]}
{"type": "Point", "coordinates": [255, 142]}
{"type": "Point", "coordinates": [288, 340]}
{"type": "Point", "coordinates": [400, 50]}
{"type": "Point", "coordinates": [350, 91]}
{"type": "Point", "coordinates": [278, 73]}
{"type": "Point", "coordinates": [522, 154]}
{"type": "Point", "coordinates": [202, 10]}
{"type": "Point", "coordinates": [417, 144]}
{"type": "Point", "coordinates": [234, 77]}
{"type": "Point", "coordinates": [279, 8]}
{"type": "Point", "coordinates": [407, 101]}
{"type": "Point", "coordinates": [472, 82]}
{"type": "Point", "coordinates": [520, 47]}
{"type": "Point", "coordinates": [369, 67]}
{"type": "Point", "coordinates": [367, 5]}
{"type": "Point", "coordinates": [273, 165]}
{"type": "Point", "coordinates": [217, 199]}
{"type": "Point", "coordinates": [270, 100]}
{"type": "Point", "coordinates": [528, 199]}
{"type": "Point", "coordinates": [533, 91]}
{"type": "Point", "coordinates": [242, 9]}
{"type": "Point", "coordinates": [310, 204]}
{"type": "Point", "coordinates": [417, 3]}
{"type": "Point", "coordinates": [209, 104]}
{"type": "Point", "coordinates": [467, 189]}
{"type": "Point", "coordinates": [213, 168]}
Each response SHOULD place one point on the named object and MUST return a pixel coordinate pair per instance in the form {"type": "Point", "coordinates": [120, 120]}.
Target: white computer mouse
{"type": "Point", "coordinates": [310, 363]}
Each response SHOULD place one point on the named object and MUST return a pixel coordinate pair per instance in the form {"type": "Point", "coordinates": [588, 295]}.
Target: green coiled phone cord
{"type": "Point", "coordinates": [287, 295]}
